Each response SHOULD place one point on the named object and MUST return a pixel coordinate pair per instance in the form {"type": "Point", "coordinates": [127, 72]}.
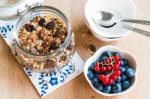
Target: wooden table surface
{"type": "Point", "coordinates": [14, 83]}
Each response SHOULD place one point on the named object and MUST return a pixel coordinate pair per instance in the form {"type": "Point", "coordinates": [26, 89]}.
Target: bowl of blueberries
{"type": "Point", "coordinates": [111, 71]}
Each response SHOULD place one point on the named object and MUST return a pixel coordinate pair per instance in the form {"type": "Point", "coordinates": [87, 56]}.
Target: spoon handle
{"type": "Point", "coordinates": [140, 31]}
{"type": "Point", "coordinates": [144, 22]}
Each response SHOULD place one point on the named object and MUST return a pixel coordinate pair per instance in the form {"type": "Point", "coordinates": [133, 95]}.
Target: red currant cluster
{"type": "Point", "coordinates": [108, 69]}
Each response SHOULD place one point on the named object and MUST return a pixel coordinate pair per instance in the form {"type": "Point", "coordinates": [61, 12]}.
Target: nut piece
{"type": "Point", "coordinates": [63, 59]}
{"type": "Point", "coordinates": [51, 63]}
{"type": "Point", "coordinates": [91, 48]}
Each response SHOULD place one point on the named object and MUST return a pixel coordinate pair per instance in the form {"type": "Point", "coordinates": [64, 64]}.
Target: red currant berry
{"type": "Point", "coordinates": [109, 68]}
{"type": "Point", "coordinates": [110, 81]}
{"type": "Point", "coordinates": [96, 68]}
{"type": "Point", "coordinates": [107, 61]}
{"type": "Point", "coordinates": [116, 58]}
{"type": "Point", "coordinates": [114, 76]}
{"type": "Point", "coordinates": [97, 64]}
{"type": "Point", "coordinates": [118, 72]}
{"type": "Point", "coordinates": [116, 67]}
{"type": "Point", "coordinates": [118, 62]}
{"type": "Point", "coordinates": [105, 80]}
{"type": "Point", "coordinates": [101, 77]}
{"type": "Point", "coordinates": [103, 68]}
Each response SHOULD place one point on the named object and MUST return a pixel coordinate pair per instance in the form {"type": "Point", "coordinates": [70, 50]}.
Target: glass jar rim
{"type": "Point", "coordinates": [55, 52]}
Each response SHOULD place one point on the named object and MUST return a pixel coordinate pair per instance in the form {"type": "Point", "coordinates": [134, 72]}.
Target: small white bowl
{"type": "Point", "coordinates": [123, 9]}
{"type": "Point", "coordinates": [95, 57]}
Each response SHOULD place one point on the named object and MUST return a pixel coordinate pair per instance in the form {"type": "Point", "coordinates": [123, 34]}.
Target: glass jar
{"type": "Point", "coordinates": [49, 61]}
{"type": "Point", "coordinates": [15, 7]}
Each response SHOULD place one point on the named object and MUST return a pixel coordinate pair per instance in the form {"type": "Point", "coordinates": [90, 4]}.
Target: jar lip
{"type": "Point", "coordinates": [63, 46]}
{"type": "Point", "coordinates": [13, 5]}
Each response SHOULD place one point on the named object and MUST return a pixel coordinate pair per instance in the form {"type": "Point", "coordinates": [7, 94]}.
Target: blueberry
{"type": "Point", "coordinates": [123, 77]}
{"type": "Point", "coordinates": [96, 75]}
{"type": "Point", "coordinates": [29, 28]}
{"type": "Point", "coordinates": [92, 82]}
{"type": "Point", "coordinates": [122, 69]}
{"type": "Point", "coordinates": [103, 58]}
{"type": "Point", "coordinates": [91, 68]}
{"type": "Point", "coordinates": [90, 75]}
{"type": "Point", "coordinates": [98, 86]}
{"type": "Point", "coordinates": [125, 61]}
{"type": "Point", "coordinates": [125, 84]}
{"type": "Point", "coordinates": [119, 79]}
{"type": "Point", "coordinates": [113, 83]}
{"type": "Point", "coordinates": [121, 62]}
{"type": "Point", "coordinates": [116, 53]}
{"type": "Point", "coordinates": [42, 22]}
{"type": "Point", "coordinates": [95, 80]}
{"type": "Point", "coordinates": [130, 72]}
{"type": "Point", "coordinates": [126, 66]}
{"type": "Point", "coordinates": [107, 89]}
{"type": "Point", "coordinates": [50, 25]}
{"type": "Point", "coordinates": [116, 88]}
{"type": "Point", "coordinates": [106, 53]}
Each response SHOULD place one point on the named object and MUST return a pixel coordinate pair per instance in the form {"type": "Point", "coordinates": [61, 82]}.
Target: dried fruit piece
{"type": "Point", "coordinates": [29, 28]}
{"type": "Point", "coordinates": [53, 46]}
{"type": "Point", "coordinates": [42, 22]}
{"type": "Point", "coordinates": [50, 25]}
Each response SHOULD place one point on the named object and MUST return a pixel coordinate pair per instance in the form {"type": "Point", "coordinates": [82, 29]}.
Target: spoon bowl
{"type": "Point", "coordinates": [104, 19]}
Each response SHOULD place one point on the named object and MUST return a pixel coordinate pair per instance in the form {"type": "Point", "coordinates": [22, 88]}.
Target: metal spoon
{"type": "Point", "coordinates": [108, 20]}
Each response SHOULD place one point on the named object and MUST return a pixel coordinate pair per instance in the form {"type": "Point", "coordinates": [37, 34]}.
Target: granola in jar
{"type": "Point", "coordinates": [42, 43]}
{"type": "Point", "coordinates": [42, 35]}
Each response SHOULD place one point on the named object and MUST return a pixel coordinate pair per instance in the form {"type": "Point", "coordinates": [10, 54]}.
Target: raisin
{"type": "Point", "coordinates": [53, 46]}
{"type": "Point", "coordinates": [42, 22]}
{"type": "Point", "coordinates": [29, 27]}
{"type": "Point", "coordinates": [50, 25]}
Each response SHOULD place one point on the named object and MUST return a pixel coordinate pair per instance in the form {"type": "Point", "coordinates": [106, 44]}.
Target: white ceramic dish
{"type": "Point", "coordinates": [127, 55]}
{"type": "Point", "coordinates": [123, 9]}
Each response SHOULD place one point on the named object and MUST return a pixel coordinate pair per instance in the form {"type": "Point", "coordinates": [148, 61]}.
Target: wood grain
{"type": "Point", "coordinates": [14, 84]}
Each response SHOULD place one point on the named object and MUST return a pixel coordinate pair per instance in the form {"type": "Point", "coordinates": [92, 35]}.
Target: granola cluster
{"type": "Point", "coordinates": [42, 35]}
